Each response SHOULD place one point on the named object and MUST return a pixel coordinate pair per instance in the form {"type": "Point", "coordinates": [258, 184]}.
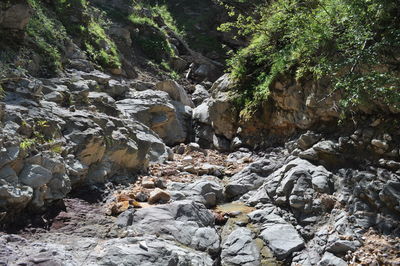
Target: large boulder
{"type": "Point", "coordinates": [74, 250]}
{"type": "Point", "coordinates": [207, 191]}
{"type": "Point", "coordinates": [169, 119]}
{"type": "Point", "coordinates": [251, 177]}
{"type": "Point", "coordinates": [190, 223]}
{"type": "Point", "coordinates": [218, 113]}
{"type": "Point", "coordinates": [175, 91]}
{"type": "Point", "coordinates": [240, 249]}
{"type": "Point", "coordinates": [281, 237]}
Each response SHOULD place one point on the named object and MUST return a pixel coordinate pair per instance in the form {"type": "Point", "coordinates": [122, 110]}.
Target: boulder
{"type": "Point", "coordinates": [282, 238]}
{"type": "Point", "coordinates": [390, 195]}
{"type": "Point", "coordinates": [170, 120]}
{"type": "Point", "coordinates": [190, 223]}
{"type": "Point", "coordinates": [251, 177]}
{"type": "Point", "coordinates": [35, 176]}
{"type": "Point", "coordinates": [175, 91]}
{"type": "Point", "coordinates": [200, 94]}
{"type": "Point", "coordinates": [116, 89]}
{"type": "Point", "coordinates": [14, 198]}
{"type": "Point", "coordinates": [159, 196]}
{"type": "Point", "coordinates": [240, 249]}
{"type": "Point", "coordinates": [331, 260]}
{"type": "Point", "coordinates": [207, 190]}
{"type": "Point", "coordinates": [218, 112]}
{"type": "Point", "coordinates": [307, 140]}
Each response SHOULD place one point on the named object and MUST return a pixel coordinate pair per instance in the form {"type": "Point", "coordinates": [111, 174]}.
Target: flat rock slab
{"type": "Point", "coordinates": [282, 239]}
{"type": "Point", "coordinates": [240, 249]}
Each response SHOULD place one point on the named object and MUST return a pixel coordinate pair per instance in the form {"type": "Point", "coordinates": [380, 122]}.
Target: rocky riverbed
{"type": "Point", "coordinates": [206, 208]}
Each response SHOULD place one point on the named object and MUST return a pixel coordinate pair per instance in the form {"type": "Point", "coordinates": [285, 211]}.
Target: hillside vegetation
{"type": "Point", "coordinates": [352, 44]}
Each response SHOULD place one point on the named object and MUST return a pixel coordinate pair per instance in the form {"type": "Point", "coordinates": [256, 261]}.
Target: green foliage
{"type": "Point", "coordinates": [38, 137]}
{"type": "Point", "coordinates": [187, 24]}
{"type": "Point", "coordinates": [352, 43]}
{"type": "Point", "coordinates": [47, 34]}
{"type": "Point", "coordinates": [57, 149]}
{"type": "Point", "coordinates": [26, 144]}
{"type": "Point", "coordinates": [155, 45]}
{"type": "Point", "coordinates": [152, 39]}
{"type": "Point", "coordinates": [90, 30]}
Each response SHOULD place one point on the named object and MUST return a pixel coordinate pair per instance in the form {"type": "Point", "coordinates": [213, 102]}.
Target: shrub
{"type": "Point", "coordinates": [352, 43]}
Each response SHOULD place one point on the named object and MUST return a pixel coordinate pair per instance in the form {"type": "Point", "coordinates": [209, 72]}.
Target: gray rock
{"type": "Point", "coordinates": [282, 238]}
{"type": "Point", "coordinates": [9, 175]}
{"type": "Point", "coordinates": [175, 91]}
{"type": "Point", "coordinates": [170, 120]}
{"type": "Point", "coordinates": [222, 84]}
{"type": "Point", "coordinates": [251, 177]}
{"type": "Point", "coordinates": [188, 222]}
{"type": "Point", "coordinates": [331, 260]}
{"type": "Point", "coordinates": [390, 195]}
{"type": "Point", "coordinates": [54, 96]}
{"type": "Point", "coordinates": [340, 246]}
{"type": "Point", "coordinates": [35, 176]}
{"type": "Point", "coordinates": [8, 155]}
{"type": "Point", "coordinates": [220, 114]}
{"type": "Point", "coordinates": [125, 219]}
{"type": "Point", "coordinates": [116, 89]}
{"type": "Point", "coordinates": [200, 94]}
{"type": "Point", "coordinates": [240, 249]}
{"type": "Point", "coordinates": [146, 251]}
{"type": "Point", "coordinates": [14, 198]}
{"type": "Point", "coordinates": [307, 140]}
{"type": "Point", "coordinates": [97, 76]}
{"type": "Point", "coordinates": [207, 191]}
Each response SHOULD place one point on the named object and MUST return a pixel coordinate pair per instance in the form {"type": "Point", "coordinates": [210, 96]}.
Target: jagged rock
{"type": "Point", "coordinates": [170, 120]}
{"type": "Point", "coordinates": [331, 260]}
{"type": "Point", "coordinates": [147, 250]}
{"type": "Point", "coordinates": [14, 198]}
{"type": "Point", "coordinates": [175, 91]}
{"type": "Point", "coordinates": [35, 176]}
{"type": "Point", "coordinates": [75, 250]}
{"type": "Point", "coordinates": [240, 249]}
{"type": "Point", "coordinates": [8, 154]}
{"type": "Point", "coordinates": [339, 246]}
{"type": "Point", "coordinates": [95, 146]}
{"type": "Point", "coordinates": [251, 177]}
{"type": "Point", "coordinates": [200, 94]}
{"type": "Point", "coordinates": [116, 89]}
{"type": "Point", "coordinates": [281, 237]}
{"type": "Point", "coordinates": [390, 195]}
{"type": "Point", "coordinates": [324, 152]}
{"type": "Point", "coordinates": [98, 76]}
{"type": "Point", "coordinates": [217, 112]}
{"type": "Point", "coordinates": [54, 96]}
{"type": "Point", "coordinates": [208, 191]}
{"type": "Point", "coordinates": [9, 175]}
{"type": "Point", "coordinates": [125, 219]}
{"type": "Point", "coordinates": [307, 140]}
{"type": "Point", "coordinates": [190, 223]}
{"type": "Point", "coordinates": [222, 84]}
